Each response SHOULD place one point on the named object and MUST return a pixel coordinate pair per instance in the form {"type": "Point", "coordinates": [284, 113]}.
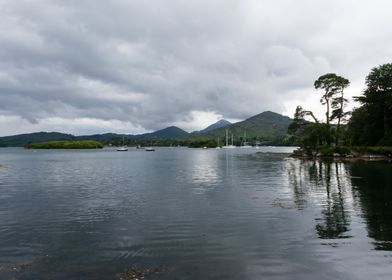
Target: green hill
{"type": "Point", "coordinates": [168, 132]}
{"type": "Point", "coordinates": [24, 139]}
{"type": "Point", "coordinates": [266, 128]}
{"type": "Point", "coordinates": [218, 124]}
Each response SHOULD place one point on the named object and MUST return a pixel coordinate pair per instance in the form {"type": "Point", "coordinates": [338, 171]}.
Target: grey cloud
{"type": "Point", "coordinates": [151, 63]}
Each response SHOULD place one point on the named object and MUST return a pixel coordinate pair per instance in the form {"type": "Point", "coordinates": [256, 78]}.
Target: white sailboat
{"type": "Point", "coordinates": [218, 146]}
{"type": "Point", "coordinates": [244, 143]}
{"type": "Point", "coordinates": [150, 149]}
{"type": "Point", "coordinates": [123, 148]}
{"type": "Point", "coordinates": [227, 146]}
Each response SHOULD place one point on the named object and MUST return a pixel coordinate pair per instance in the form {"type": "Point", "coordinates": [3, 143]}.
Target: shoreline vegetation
{"type": "Point", "coordinates": [361, 153]}
{"type": "Point", "coordinates": [363, 133]}
{"type": "Point", "coordinates": [66, 144]}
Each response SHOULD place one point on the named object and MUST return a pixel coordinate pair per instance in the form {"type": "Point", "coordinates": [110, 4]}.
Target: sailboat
{"type": "Point", "coordinates": [149, 149]}
{"type": "Point", "coordinates": [123, 148]}
{"type": "Point", "coordinates": [227, 146]}
{"type": "Point", "coordinates": [244, 144]}
{"type": "Point", "coordinates": [218, 146]}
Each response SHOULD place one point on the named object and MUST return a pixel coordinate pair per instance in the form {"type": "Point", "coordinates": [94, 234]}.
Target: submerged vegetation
{"type": "Point", "coordinates": [66, 144]}
{"type": "Point", "coordinates": [367, 131]}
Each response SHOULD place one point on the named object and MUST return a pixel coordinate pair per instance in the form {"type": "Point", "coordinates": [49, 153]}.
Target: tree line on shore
{"type": "Point", "coordinates": [370, 124]}
{"type": "Point", "coordinates": [66, 144]}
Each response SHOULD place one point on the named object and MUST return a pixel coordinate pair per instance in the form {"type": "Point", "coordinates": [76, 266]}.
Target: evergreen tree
{"type": "Point", "coordinates": [377, 101]}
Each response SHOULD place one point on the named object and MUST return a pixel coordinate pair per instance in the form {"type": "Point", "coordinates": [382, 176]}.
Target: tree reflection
{"type": "Point", "coordinates": [341, 187]}
{"type": "Point", "coordinates": [372, 187]}
{"type": "Point", "coordinates": [334, 223]}
{"type": "Point", "coordinates": [325, 183]}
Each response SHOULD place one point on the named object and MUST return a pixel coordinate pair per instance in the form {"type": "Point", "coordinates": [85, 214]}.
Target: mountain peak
{"type": "Point", "coordinates": [218, 124]}
{"type": "Point", "coordinates": [269, 115]}
{"type": "Point", "coordinates": [168, 132]}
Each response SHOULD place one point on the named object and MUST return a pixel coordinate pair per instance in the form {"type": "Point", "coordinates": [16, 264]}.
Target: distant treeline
{"type": "Point", "coordinates": [267, 128]}
{"type": "Point", "coordinates": [66, 144]}
{"type": "Point", "coordinates": [199, 142]}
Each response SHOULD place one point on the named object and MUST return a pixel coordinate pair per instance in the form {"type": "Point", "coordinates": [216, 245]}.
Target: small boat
{"type": "Point", "coordinates": [123, 148]}
{"type": "Point", "coordinates": [149, 149]}
{"type": "Point", "coordinates": [229, 147]}
{"type": "Point", "coordinates": [245, 144]}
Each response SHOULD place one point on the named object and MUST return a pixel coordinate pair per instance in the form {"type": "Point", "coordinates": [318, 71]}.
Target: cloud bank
{"type": "Point", "coordinates": [136, 66]}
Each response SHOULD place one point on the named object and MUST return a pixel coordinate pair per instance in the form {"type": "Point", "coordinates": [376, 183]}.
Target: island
{"type": "Point", "coordinates": [66, 144]}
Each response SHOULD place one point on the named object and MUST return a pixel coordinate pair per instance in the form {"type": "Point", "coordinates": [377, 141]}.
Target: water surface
{"type": "Point", "coordinates": [201, 214]}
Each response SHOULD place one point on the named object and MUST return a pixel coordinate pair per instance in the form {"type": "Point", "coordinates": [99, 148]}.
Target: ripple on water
{"type": "Point", "coordinates": [203, 214]}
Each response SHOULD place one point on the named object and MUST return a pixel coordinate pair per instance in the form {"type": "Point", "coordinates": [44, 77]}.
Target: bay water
{"type": "Point", "coordinates": [180, 213]}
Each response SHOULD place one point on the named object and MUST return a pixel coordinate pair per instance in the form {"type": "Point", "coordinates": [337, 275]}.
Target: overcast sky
{"type": "Point", "coordinates": [129, 66]}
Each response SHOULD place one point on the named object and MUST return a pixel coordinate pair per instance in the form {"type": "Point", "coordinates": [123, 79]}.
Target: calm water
{"type": "Point", "coordinates": [199, 214]}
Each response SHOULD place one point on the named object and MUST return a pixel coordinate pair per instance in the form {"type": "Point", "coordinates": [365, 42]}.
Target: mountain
{"type": "Point", "coordinates": [23, 139]}
{"type": "Point", "coordinates": [168, 132]}
{"type": "Point", "coordinates": [265, 127]}
{"type": "Point", "coordinates": [218, 124]}
{"type": "Point", "coordinates": [106, 137]}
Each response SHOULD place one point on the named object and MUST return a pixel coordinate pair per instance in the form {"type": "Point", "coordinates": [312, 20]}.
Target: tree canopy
{"type": "Point", "coordinates": [376, 109]}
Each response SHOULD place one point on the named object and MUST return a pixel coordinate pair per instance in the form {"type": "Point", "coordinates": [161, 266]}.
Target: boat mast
{"type": "Point", "coordinates": [227, 138]}
{"type": "Point", "coordinates": [245, 138]}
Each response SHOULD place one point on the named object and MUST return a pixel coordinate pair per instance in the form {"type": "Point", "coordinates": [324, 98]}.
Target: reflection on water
{"type": "Point", "coordinates": [192, 214]}
{"type": "Point", "coordinates": [372, 187]}
{"type": "Point", "coordinates": [204, 171]}
{"type": "Point", "coordinates": [337, 188]}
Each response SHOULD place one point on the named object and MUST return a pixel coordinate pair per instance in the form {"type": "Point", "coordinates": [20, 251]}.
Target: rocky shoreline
{"type": "Point", "coordinates": [351, 155]}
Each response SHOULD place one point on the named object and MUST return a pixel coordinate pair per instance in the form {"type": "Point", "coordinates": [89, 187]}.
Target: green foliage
{"type": "Point", "coordinates": [333, 97]}
{"type": "Point", "coordinates": [201, 144]}
{"type": "Point", "coordinates": [307, 134]}
{"type": "Point", "coordinates": [362, 129]}
{"type": "Point", "coordinates": [371, 124]}
{"type": "Point", "coordinates": [24, 139]}
{"type": "Point", "coordinates": [330, 151]}
{"type": "Point", "coordinates": [298, 121]}
{"type": "Point", "coordinates": [66, 144]}
{"type": "Point", "coordinates": [329, 83]}
{"type": "Point", "coordinates": [312, 135]}
{"type": "Point", "coordinates": [266, 129]}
